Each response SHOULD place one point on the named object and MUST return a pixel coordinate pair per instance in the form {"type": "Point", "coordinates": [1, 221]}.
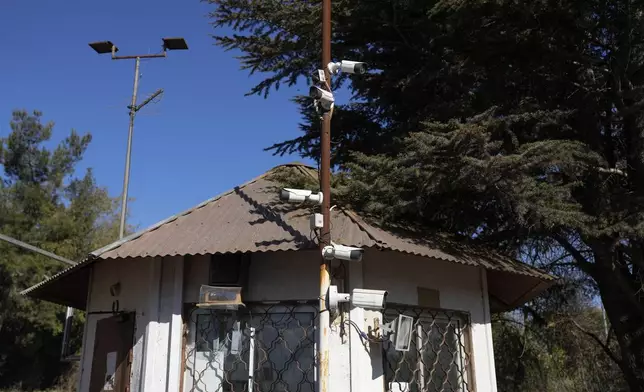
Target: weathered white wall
{"type": "Point", "coordinates": [156, 289]}
{"type": "Point", "coordinates": [148, 288]}
{"type": "Point", "coordinates": [133, 276]}
{"type": "Point", "coordinates": [272, 276]}
{"type": "Point", "coordinates": [159, 368]}
{"type": "Point", "coordinates": [282, 276]}
{"type": "Point", "coordinates": [366, 359]}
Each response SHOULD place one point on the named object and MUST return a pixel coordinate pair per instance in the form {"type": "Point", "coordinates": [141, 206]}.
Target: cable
{"type": "Point", "coordinates": [363, 335]}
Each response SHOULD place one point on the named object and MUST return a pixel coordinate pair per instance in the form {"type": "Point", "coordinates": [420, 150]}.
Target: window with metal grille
{"type": "Point", "coordinates": [258, 348]}
{"type": "Point", "coordinates": [438, 359]}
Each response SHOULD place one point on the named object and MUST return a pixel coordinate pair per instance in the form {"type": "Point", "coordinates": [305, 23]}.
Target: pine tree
{"type": "Point", "coordinates": [43, 203]}
{"type": "Point", "coordinates": [501, 122]}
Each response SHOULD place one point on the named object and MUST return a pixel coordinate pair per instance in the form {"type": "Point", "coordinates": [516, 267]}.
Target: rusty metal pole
{"type": "Point", "coordinates": [325, 184]}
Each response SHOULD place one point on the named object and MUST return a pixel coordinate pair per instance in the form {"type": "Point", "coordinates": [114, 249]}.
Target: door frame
{"type": "Point", "coordinates": [123, 369]}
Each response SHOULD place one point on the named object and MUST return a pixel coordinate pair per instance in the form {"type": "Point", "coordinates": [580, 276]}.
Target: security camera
{"type": "Point", "coordinates": [348, 253]}
{"type": "Point", "coordinates": [334, 298]}
{"type": "Point", "coordinates": [322, 107]}
{"type": "Point", "coordinates": [300, 195]}
{"type": "Point", "coordinates": [369, 299]}
{"type": "Point", "coordinates": [341, 252]}
{"type": "Point", "coordinates": [321, 94]}
{"type": "Point", "coordinates": [352, 67]}
{"type": "Point", "coordinates": [323, 99]}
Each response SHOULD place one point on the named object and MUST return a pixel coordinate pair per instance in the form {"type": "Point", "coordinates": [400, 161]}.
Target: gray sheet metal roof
{"type": "Point", "coordinates": [250, 218]}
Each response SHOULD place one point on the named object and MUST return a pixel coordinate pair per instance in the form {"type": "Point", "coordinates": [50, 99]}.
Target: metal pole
{"type": "Point", "coordinates": [67, 326]}
{"type": "Point", "coordinates": [32, 248]}
{"type": "Point", "coordinates": [126, 177]}
{"type": "Point", "coordinates": [325, 184]}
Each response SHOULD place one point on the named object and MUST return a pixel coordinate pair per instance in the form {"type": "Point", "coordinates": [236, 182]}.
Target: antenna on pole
{"type": "Point", "coordinates": [148, 99]}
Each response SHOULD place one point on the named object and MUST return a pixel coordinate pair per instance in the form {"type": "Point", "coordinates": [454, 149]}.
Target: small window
{"type": "Point", "coordinates": [228, 269]}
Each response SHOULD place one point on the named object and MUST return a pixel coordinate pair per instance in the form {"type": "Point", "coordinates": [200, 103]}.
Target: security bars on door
{"type": "Point", "coordinates": [259, 348]}
{"type": "Point", "coordinates": [438, 359]}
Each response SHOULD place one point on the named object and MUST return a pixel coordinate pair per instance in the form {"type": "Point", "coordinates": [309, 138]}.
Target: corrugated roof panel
{"type": "Point", "coordinates": [248, 219]}
{"type": "Point", "coordinates": [251, 218]}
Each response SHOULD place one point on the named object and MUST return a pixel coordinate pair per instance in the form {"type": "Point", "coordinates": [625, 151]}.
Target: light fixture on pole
{"type": "Point", "coordinates": [104, 47]}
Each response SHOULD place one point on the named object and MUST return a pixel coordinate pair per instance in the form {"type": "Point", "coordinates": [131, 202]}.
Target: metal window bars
{"type": "Point", "coordinates": [271, 348]}
{"type": "Point", "coordinates": [257, 348]}
{"type": "Point", "coordinates": [439, 357]}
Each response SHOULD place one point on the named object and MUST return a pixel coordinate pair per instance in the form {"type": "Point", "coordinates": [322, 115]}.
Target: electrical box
{"type": "Point", "coordinates": [317, 221]}
{"type": "Point", "coordinates": [320, 76]}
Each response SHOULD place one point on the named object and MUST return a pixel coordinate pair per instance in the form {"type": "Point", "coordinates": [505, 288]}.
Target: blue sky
{"type": "Point", "coordinates": [202, 138]}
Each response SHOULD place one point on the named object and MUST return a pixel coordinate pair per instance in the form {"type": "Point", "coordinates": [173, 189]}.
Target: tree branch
{"type": "Point", "coordinates": [596, 338]}
{"type": "Point", "coordinates": [612, 170]}
{"type": "Point", "coordinates": [575, 253]}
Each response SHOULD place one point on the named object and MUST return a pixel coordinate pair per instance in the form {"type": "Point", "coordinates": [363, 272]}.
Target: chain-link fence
{"type": "Point", "coordinates": [439, 356]}
{"type": "Point", "coordinates": [257, 348]}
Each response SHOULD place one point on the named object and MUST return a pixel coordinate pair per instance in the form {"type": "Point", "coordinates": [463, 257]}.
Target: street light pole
{"type": "Point", "coordinates": [104, 47]}
{"type": "Point", "coordinates": [128, 154]}
{"type": "Point", "coordinates": [325, 185]}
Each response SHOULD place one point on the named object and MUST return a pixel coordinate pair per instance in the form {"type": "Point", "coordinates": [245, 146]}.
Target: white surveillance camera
{"type": "Point", "coordinates": [321, 94]}
{"type": "Point", "coordinates": [300, 195]}
{"type": "Point", "coordinates": [334, 298]}
{"type": "Point", "coordinates": [328, 252]}
{"type": "Point", "coordinates": [341, 252]}
{"type": "Point", "coordinates": [369, 299]}
{"type": "Point", "coordinates": [334, 68]}
{"type": "Point", "coordinates": [348, 253]}
{"type": "Point", "coordinates": [352, 67]}
{"type": "Point", "coordinates": [322, 106]}
{"type": "Point", "coordinates": [323, 99]}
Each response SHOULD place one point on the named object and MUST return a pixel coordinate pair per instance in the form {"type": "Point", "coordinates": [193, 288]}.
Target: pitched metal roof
{"type": "Point", "coordinates": [251, 218]}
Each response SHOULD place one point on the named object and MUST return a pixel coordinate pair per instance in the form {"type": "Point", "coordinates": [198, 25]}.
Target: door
{"type": "Point", "coordinates": [112, 350]}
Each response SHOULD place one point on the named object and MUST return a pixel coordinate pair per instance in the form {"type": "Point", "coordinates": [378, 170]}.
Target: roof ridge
{"type": "Point", "coordinates": [308, 172]}
{"type": "Point", "coordinates": [295, 163]}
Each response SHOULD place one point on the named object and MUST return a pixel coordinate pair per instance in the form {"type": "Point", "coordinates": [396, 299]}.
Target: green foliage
{"type": "Point", "coordinates": [511, 124]}
{"type": "Point", "coordinates": [43, 203]}
{"type": "Point", "coordinates": [557, 356]}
